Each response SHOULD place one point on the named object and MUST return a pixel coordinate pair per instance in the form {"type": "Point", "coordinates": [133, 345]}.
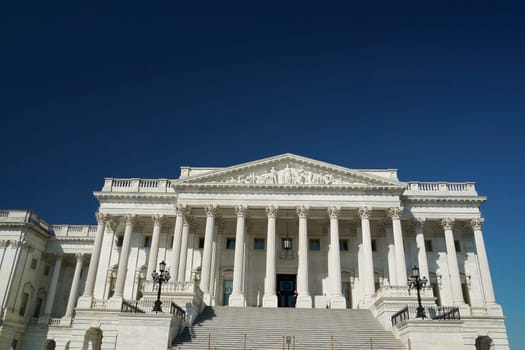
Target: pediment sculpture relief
{"type": "Point", "coordinates": [286, 176]}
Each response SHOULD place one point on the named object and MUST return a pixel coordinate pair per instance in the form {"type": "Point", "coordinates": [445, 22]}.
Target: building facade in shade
{"type": "Point", "coordinates": [285, 231]}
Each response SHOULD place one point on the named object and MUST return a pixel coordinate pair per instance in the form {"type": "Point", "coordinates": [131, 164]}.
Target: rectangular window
{"type": "Point", "coordinates": [428, 245]}
{"type": "Point", "coordinates": [314, 244]}
{"type": "Point", "coordinates": [147, 241]}
{"type": "Point", "coordinates": [374, 245]}
{"type": "Point", "coordinates": [466, 296]}
{"type": "Point", "coordinates": [34, 262]}
{"type": "Point", "coordinates": [343, 245]}
{"type": "Point", "coordinates": [120, 239]}
{"type": "Point", "coordinates": [258, 244]}
{"type": "Point", "coordinates": [230, 243]}
{"type": "Point", "coordinates": [457, 245]}
{"type": "Point", "coordinates": [201, 242]}
{"type": "Point", "coordinates": [47, 270]}
{"type": "Point", "coordinates": [23, 304]}
{"type": "Point", "coordinates": [39, 302]}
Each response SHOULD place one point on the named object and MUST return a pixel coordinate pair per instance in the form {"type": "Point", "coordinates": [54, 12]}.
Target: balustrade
{"type": "Point", "coordinates": [465, 187]}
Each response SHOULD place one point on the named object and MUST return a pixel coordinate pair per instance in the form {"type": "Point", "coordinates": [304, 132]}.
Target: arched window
{"type": "Point", "coordinates": [483, 343]}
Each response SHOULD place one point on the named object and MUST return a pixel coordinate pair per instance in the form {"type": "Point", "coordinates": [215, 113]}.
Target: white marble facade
{"type": "Point", "coordinates": [353, 236]}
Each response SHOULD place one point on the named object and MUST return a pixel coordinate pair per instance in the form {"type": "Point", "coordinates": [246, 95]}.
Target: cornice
{"type": "Point", "coordinates": [165, 197]}
{"type": "Point", "coordinates": [426, 199]}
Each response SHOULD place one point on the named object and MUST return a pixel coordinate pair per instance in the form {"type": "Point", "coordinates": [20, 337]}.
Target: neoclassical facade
{"type": "Point", "coordinates": [285, 231]}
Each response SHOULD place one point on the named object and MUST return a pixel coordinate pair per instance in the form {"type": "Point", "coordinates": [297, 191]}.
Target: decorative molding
{"type": "Point", "coordinates": [182, 209]}
{"type": "Point", "coordinates": [272, 211]}
{"type": "Point", "coordinates": [211, 210]}
{"type": "Point", "coordinates": [447, 223]}
{"type": "Point", "coordinates": [364, 212]}
{"type": "Point", "coordinates": [102, 218]}
{"type": "Point", "coordinates": [157, 219]}
{"type": "Point", "coordinates": [302, 211]}
{"type": "Point", "coordinates": [241, 210]}
{"type": "Point", "coordinates": [477, 223]}
{"type": "Point", "coordinates": [130, 219]}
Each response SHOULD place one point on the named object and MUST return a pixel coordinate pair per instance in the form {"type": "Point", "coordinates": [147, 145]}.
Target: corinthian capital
{"type": "Point", "coordinates": [476, 223]}
{"type": "Point", "coordinates": [211, 210]}
{"type": "Point", "coordinates": [447, 223]}
{"type": "Point", "coordinates": [333, 212]}
{"type": "Point", "coordinates": [364, 212]}
{"type": "Point", "coordinates": [395, 213]}
{"type": "Point", "coordinates": [302, 211]}
{"type": "Point", "coordinates": [101, 218]}
{"type": "Point", "coordinates": [241, 210]}
{"type": "Point", "coordinates": [272, 211]}
{"type": "Point", "coordinates": [182, 209]}
{"type": "Point", "coordinates": [130, 219]}
{"type": "Point", "coordinates": [157, 219]}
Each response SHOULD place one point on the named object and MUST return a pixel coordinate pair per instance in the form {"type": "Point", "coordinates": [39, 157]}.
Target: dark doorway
{"type": "Point", "coordinates": [286, 290]}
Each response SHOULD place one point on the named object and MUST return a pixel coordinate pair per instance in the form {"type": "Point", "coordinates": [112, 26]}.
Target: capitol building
{"type": "Point", "coordinates": [304, 246]}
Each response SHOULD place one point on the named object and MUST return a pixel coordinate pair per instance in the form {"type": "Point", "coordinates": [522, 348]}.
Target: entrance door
{"type": "Point", "coordinates": [228, 286]}
{"type": "Point", "coordinates": [286, 290]}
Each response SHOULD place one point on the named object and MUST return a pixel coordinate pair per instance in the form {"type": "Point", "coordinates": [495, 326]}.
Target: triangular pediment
{"type": "Point", "coordinates": [289, 170]}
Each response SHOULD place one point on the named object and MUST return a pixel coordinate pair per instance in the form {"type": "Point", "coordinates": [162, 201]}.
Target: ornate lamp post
{"type": "Point", "coordinates": [160, 277]}
{"type": "Point", "coordinates": [415, 282]}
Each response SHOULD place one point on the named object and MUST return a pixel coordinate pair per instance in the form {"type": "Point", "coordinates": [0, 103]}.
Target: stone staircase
{"type": "Point", "coordinates": [264, 328]}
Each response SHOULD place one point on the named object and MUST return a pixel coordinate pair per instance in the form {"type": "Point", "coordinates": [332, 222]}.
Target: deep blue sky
{"type": "Point", "coordinates": [137, 90]}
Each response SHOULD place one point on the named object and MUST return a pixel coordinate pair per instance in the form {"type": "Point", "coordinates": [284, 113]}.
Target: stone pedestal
{"type": "Point", "coordinates": [270, 301]}
{"type": "Point", "coordinates": [237, 300]}
{"type": "Point", "coordinates": [303, 302]}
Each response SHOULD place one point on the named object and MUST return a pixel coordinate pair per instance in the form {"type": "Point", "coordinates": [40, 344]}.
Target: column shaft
{"type": "Point", "coordinates": [53, 286]}
{"type": "Point", "coordinates": [421, 249]}
{"type": "Point", "coordinates": [304, 300]}
{"type": "Point", "coordinates": [95, 256]}
{"type": "Point", "coordinates": [206, 256]}
{"type": "Point", "coordinates": [154, 249]}
{"type": "Point", "coordinates": [368, 259]}
{"type": "Point", "coordinates": [401, 268]}
{"type": "Point", "coordinates": [337, 301]}
{"type": "Point", "coordinates": [270, 298]}
{"type": "Point", "coordinates": [237, 296]}
{"type": "Point", "coordinates": [177, 240]}
{"type": "Point", "coordinates": [124, 256]}
{"type": "Point", "coordinates": [184, 249]}
{"type": "Point", "coordinates": [392, 273]}
{"type": "Point", "coordinates": [73, 294]}
{"type": "Point", "coordinates": [486, 279]}
{"type": "Point", "coordinates": [452, 260]}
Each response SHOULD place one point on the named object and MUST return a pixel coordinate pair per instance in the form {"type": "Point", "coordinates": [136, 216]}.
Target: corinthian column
{"type": "Point", "coordinates": [270, 298]}
{"type": "Point", "coordinates": [304, 300]}
{"type": "Point", "coordinates": [123, 264]}
{"type": "Point", "coordinates": [237, 296]}
{"type": "Point", "coordinates": [74, 286]}
{"type": "Point", "coordinates": [368, 260]}
{"type": "Point", "coordinates": [53, 286]}
{"type": "Point", "coordinates": [211, 210]}
{"type": "Point", "coordinates": [421, 249]}
{"type": "Point", "coordinates": [154, 249]}
{"type": "Point", "coordinates": [452, 260]}
{"type": "Point", "coordinates": [177, 240]}
{"type": "Point", "coordinates": [486, 279]}
{"type": "Point", "coordinates": [401, 270]}
{"type": "Point", "coordinates": [337, 301]}
{"type": "Point", "coordinates": [184, 248]}
{"type": "Point", "coordinates": [87, 298]}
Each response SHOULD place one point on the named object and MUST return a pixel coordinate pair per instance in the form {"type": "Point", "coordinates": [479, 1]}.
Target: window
{"type": "Point", "coordinates": [39, 303]}
{"type": "Point", "coordinates": [230, 243]}
{"type": "Point", "coordinates": [23, 304]}
{"type": "Point", "coordinates": [34, 262]}
{"type": "Point", "coordinates": [201, 242]}
{"type": "Point", "coordinates": [457, 245]}
{"type": "Point", "coordinates": [464, 290]}
{"type": "Point", "coordinates": [374, 245]}
{"type": "Point", "coordinates": [170, 242]}
{"type": "Point", "coordinates": [343, 245]}
{"type": "Point", "coordinates": [435, 289]}
{"type": "Point", "coordinates": [314, 244]}
{"type": "Point", "coordinates": [147, 241]}
{"type": "Point", "coordinates": [47, 270]}
{"type": "Point", "coordinates": [428, 245]}
{"type": "Point", "coordinates": [120, 239]}
{"type": "Point", "coordinates": [258, 244]}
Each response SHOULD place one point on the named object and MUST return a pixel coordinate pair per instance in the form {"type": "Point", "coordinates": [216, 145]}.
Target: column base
{"type": "Point", "coordinates": [115, 303]}
{"type": "Point", "coordinates": [270, 300]}
{"type": "Point", "coordinates": [337, 302]}
{"type": "Point", "coordinates": [237, 300]}
{"type": "Point", "coordinates": [303, 302]}
{"type": "Point", "coordinates": [85, 302]}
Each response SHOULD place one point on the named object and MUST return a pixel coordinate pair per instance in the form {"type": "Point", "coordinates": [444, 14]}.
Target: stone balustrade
{"type": "Point", "coordinates": [88, 231]}
{"type": "Point", "coordinates": [401, 291]}
{"type": "Point", "coordinates": [178, 287]}
{"type": "Point", "coordinates": [445, 188]}
{"type": "Point", "coordinates": [137, 185]}
{"type": "Point", "coordinates": [23, 216]}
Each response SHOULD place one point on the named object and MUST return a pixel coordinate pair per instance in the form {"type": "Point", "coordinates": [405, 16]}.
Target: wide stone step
{"type": "Point", "coordinates": [264, 329]}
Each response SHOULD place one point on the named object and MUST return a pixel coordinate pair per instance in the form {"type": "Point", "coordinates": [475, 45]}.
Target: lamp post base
{"type": "Point", "coordinates": [158, 306]}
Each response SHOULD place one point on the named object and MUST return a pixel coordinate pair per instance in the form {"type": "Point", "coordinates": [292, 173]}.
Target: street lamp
{"type": "Point", "coordinates": [160, 277]}
{"type": "Point", "coordinates": [415, 282]}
